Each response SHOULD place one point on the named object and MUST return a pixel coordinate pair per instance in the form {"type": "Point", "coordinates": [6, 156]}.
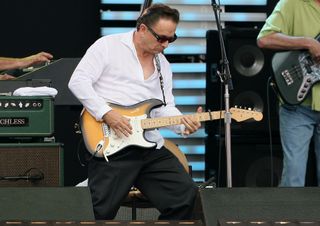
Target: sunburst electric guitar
{"type": "Point", "coordinates": [101, 140]}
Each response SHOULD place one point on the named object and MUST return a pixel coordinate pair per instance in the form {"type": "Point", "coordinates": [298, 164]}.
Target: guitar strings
{"type": "Point", "coordinates": [296, 72]}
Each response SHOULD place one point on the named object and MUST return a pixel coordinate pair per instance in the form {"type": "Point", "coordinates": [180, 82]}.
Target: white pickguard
{"type": "Point", "coordinates": [118, 143]}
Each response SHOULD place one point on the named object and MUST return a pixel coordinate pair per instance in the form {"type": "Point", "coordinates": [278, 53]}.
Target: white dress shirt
{"type": "Point", "coordinates": [110, 72]}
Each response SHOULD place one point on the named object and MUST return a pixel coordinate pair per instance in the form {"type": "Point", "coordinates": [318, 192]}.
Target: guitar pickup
{"type": "Point", "coordinates": [287, 77]}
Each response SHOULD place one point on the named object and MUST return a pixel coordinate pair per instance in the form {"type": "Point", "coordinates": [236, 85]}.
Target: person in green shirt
{"type": "Point", "coordinates": [294, 25]}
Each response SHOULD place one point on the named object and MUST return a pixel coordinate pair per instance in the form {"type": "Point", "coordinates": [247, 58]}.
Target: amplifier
{"type": "Point", "coordinates": [31, 165]}
{"type": "Point", "coordinates": [25, 116]}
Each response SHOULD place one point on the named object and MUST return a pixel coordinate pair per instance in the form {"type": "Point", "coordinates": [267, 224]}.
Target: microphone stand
{"type": "Point", "coordinates": [225, 77]}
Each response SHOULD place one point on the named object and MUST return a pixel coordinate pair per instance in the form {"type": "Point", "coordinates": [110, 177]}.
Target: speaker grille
{"type": "Point", "coordinates": [25, 164]}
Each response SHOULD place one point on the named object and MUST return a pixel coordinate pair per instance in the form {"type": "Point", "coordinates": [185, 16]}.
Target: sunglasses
{"type": "Point", "coordinates": [162, 38]}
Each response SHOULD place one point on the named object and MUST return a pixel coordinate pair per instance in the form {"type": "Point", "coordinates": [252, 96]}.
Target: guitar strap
{"type": "Point", "coordinates": [160, 78]}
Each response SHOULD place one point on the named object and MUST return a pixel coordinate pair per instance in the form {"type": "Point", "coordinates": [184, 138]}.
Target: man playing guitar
{"type": "Point", "coordinates": [127, 69]}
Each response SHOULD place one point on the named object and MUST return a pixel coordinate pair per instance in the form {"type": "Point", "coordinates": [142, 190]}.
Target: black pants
{"type": "Point", "coordinates": [158, 174]}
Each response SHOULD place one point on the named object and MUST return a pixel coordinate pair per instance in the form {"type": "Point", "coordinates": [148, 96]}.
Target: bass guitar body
{"type": "Point", "coordinates": [295, 73]}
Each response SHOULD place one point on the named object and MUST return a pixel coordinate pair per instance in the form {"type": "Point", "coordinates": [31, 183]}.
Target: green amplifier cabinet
{"type": "Point", "coordinates": [25, 116]}
{"type": "Point", "coordinates": [31, 165]}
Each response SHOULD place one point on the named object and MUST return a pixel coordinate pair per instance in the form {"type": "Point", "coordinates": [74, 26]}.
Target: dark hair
{"type": "Point", "coordinates": [156, 12]}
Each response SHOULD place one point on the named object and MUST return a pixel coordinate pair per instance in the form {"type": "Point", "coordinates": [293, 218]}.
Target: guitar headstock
{"type": "Point", "coordinates": [240, 114]}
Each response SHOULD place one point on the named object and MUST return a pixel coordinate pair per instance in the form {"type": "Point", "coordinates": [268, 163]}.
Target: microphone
{"type": "Point", "coordinates": [215, 6]}
{"type": "Point", "coordinates": [32, 177]}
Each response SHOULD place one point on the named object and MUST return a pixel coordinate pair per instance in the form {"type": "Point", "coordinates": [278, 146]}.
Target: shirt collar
{"type": "Point", "coordinates": [127, 39]}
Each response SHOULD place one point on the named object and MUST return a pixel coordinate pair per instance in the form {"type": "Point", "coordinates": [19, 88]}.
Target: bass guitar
{"type": "Point", "coordinates": [295, 73]}
{"type": "Point", "coordinates": [101, 141]}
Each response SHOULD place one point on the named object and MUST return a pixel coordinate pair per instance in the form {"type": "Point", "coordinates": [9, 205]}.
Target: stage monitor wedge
{"type": "Point", "coordinates": [260, 204]}
{"type": "Point", "coordinates": [55, 203]}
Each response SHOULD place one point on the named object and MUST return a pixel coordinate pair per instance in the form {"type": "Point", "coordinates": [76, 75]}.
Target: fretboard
{"type": "Point", "coordinates": [151, 123]}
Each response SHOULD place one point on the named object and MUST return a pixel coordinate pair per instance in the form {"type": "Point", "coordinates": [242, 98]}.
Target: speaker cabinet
{"type": "Point", "coordinates": [31, 164]}
{"type": "Point", "coordinates": [33, 203]}
{"type": "Point", "coordinates": [260, 204]}
{"type": "Point", "coordinates": [250, 70]}
{"type": "Point", "coordinates": [253, 163]}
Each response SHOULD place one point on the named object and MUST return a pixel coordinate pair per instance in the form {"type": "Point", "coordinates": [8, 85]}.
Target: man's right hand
{"type": "Point", "coordinates": [118, 123]}
{"type": "Point", "coordinates": [314, 50]}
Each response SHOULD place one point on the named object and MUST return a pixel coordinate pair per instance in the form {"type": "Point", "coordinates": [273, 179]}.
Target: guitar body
{"type": "Point", "coordinates": [100, 139]}
{"type": "Point", "coordinates": [295, 73]}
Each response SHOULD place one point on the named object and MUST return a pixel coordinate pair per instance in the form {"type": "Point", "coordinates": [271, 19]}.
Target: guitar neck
{"type": "Point", "coordinates": [152, 123]}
